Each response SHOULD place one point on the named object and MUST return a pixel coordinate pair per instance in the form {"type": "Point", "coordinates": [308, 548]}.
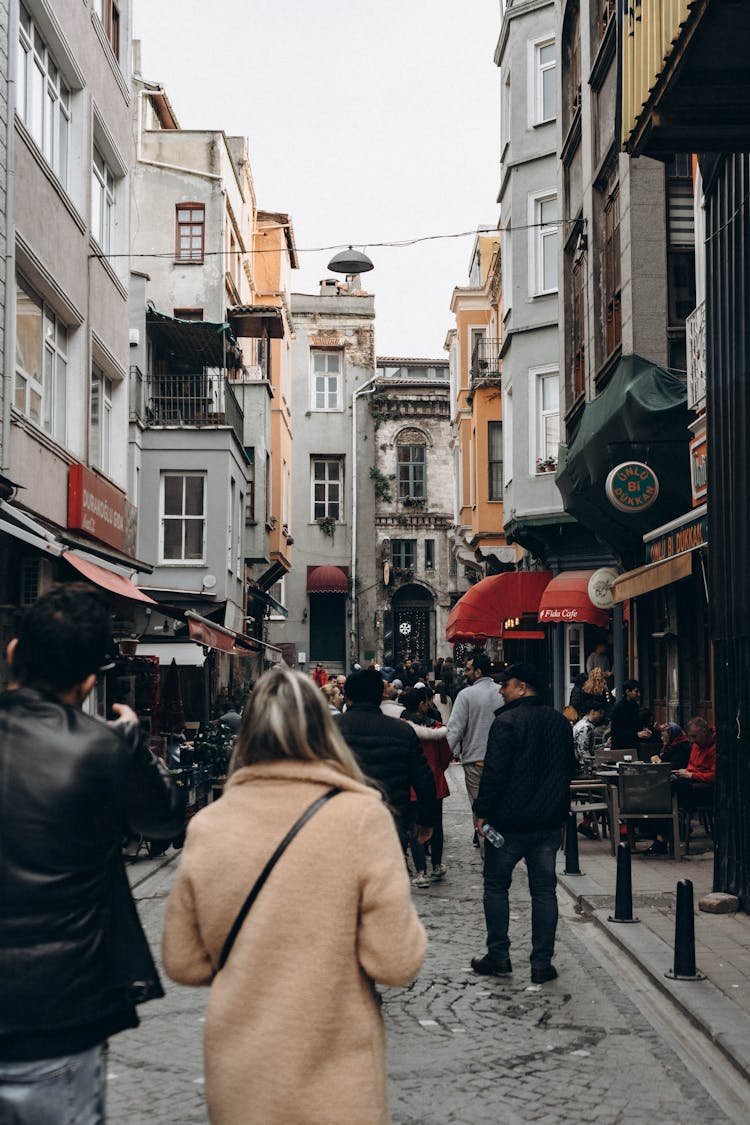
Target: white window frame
{"type": "Point", "coordinates": [50, 383]}
{"type": "Point", "coordinates": [43, 97]}
{"type": "Point", "coordinates": [574, 639]}
{"type": "Point", "coordinates": [231, 504]}
{"type": "Point", "coordinates": [327, 376]}
{"type": "Point", "coordinates": [240, 524]}
{"type": "Point", "coordinates": [507, 437]}
{"type": "Point", "coordinates": [203, 517]}
{"type": "Point", "coordinates": [506, 265]}
{"type": "Point", "coordinates": [537, 238]}
{"type": "Point", "coordinates": [537, 415]}
{"type": "Point", "coordinates": [536, 72]}
{"type": "Point", "coordinates": [326, 481]}
{"type": "Point", "coordinates": [103, 200]}
{"type": "Point", "coordinates": [280, 597]}
{"type": "Point", "coordinates": [100, 442]}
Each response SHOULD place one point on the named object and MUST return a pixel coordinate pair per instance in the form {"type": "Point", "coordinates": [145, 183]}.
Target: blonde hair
{"type": "Point", "coordinates": [596, 683]}
{"type": "Point", "coordinates": [329, 690]}
{"type": "Point", "coordinates": [287, 717]}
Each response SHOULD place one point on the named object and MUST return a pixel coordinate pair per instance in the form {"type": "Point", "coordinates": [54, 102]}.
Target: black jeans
{"type": "Point", "coordinates": [539, 849]}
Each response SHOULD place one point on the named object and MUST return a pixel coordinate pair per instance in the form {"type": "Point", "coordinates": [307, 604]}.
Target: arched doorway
{"type": "Point", "coordinates": [412, 613]}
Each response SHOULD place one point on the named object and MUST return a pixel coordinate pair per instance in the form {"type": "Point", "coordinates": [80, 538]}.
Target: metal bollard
{"type": "Point", "coordinates": [624, 888]}
{"type": "Point", "coordinates": [572, 866]}
{"type": "Point", "coordinates": [684, 936]}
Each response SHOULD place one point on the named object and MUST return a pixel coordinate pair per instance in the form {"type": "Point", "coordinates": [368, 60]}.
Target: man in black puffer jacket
{"type": "Point", "coordinates": [524, 794]}
{"type": "Point", "coordinates": [388, 753]}
{"type": "Point", "coordinates": [74, 957]}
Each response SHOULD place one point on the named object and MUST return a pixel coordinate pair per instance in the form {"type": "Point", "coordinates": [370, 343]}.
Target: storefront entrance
{"type": "Point", "coordinates": [412, 608]}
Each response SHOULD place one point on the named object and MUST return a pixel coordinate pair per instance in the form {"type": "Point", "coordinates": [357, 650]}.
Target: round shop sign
{"type": "Point", "coordinates": [632, 486]}
{"type": "Point", "coordinates": [600, 587]}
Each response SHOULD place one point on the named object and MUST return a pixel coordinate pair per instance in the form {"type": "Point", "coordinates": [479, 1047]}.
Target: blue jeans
{"type": "Point", "coordinates": [69, 1090]}
{"type": "Point", "coordinates": [539, 849]}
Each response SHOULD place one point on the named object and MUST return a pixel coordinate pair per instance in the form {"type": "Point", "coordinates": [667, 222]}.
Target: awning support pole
{"type": "Point", "coordinates": [618, 644]}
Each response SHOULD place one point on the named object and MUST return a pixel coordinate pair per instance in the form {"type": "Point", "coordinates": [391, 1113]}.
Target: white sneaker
{"type": "Point", "coordinates": [439, 871]}
{"type": "Point", "coordinates": [421, 881]}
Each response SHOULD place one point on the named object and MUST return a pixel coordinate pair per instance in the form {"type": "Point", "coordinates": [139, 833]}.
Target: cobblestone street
{"type": "Point", "coordinates": [462, 1048]}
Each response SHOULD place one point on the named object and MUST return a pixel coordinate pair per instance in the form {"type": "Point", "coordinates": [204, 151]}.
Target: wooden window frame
{"type": "Point", "coordinates": [190, 258]}
{"type": "Point", "coordinates": [578, 327]}
{"type": "Point", "coordinates": [495, 464]}
{"type": "Point", "coordinates": [611, 270]}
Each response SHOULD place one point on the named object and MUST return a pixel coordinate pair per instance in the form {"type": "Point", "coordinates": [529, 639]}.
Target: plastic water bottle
{"type": "Point", "coordinates": [492, 836]}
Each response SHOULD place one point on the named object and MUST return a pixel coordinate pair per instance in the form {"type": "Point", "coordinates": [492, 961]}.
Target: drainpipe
{"type": "Point", "coordinates": [9, 324]}
{"type": "Point", "coordinates": [366, 389]}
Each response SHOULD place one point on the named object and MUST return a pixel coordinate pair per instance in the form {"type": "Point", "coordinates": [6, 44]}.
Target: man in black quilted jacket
{"type": "Point", "coordinates": [524, 794]}
{"type": "Point", "coordinates": [388, 753]}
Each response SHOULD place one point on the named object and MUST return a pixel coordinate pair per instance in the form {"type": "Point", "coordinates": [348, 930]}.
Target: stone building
{"type": "Point", "coordinates": [413, 482]}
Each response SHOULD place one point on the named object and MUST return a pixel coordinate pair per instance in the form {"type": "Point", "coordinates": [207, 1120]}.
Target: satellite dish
{"type": "Point", "coordinates": [209, 582]}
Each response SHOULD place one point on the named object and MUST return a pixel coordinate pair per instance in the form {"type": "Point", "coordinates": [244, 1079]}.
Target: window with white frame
{"type": "Point", "coordinates": [102, 202]}
{"type": "Point", "coordinates": [547, 394]}
{"type": "Point", "coordinates": [506, 266]}
{"type": "Point", "coordinates": [505, 96]}
{"type": "Point", "coordinates": [327, 480]}
{"type": "Point", "coordinates": [43, 98]}
{"type": "Point", "coordinates": [326, 380]}
{"type": "Point", "coordinates": [239, 524]}
{"type": "Point", "coordinates": [100, 422]}
{"type": "Point", "coordinates": [543, 219]}
{"type": "Point", "coordinates": [507, 436]}
{"type": "Point", "coordinates": [230, 524]}
{"type": "Point", "coordinates": [183, 517]}
{"type": "Point", "coordinates": [544, 80]}
{"type": "Point", "coordinates": [41, 377]}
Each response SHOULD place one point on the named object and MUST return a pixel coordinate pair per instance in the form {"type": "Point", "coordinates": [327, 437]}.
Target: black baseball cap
{"type": "Point", "coordinates": [526, 673]}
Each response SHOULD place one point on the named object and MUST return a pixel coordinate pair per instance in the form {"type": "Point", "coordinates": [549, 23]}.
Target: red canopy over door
{"type": "Point", "coordinates": [484, 609]}
{"type": "Point", "coordinates": [566, 600]}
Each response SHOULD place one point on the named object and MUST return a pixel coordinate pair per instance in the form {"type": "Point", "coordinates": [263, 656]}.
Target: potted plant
{"type": "Point", "coordinates": [327, 525]}
{"type": "Point", "coordinates": [546, 464]}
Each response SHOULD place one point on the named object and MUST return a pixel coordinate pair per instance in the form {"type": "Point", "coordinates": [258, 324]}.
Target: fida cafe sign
{"type": "Point", "coordinates": [632, 486]}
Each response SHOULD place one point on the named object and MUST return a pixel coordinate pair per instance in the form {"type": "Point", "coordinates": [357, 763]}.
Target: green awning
{"type": "Point", "coordinates": [195, 343]}
{"type": "Point", "coordinates": [641, 415]}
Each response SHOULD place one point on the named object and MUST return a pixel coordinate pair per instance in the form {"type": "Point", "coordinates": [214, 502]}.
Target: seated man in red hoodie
{"type": "Point", "coordinates": [695, 783]}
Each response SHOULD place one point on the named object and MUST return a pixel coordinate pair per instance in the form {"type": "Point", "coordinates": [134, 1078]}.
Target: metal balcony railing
{"type": "Point", "coordinates": [203, 398]}
{"type": "Point", "coordinates": [485, 360]}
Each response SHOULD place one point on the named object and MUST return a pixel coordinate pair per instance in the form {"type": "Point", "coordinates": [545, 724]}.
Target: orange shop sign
{"type": "Point", "coordinates": [98, 509]}
{"type": "Point", "coordinates": [699, 468]}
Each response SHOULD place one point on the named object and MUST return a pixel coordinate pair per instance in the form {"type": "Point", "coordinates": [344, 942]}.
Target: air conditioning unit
{"type": "Point", "coordinates": [36, 579]}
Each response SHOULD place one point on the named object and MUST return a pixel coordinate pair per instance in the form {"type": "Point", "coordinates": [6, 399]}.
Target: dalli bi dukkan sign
{"type": "Point", "coordinates": [690, 535]}
{"type": "Point", "coordinates": [632, 486]}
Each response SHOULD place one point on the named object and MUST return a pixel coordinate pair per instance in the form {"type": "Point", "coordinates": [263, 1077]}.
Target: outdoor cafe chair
{"type": "Point", "coordinates": [644, 792]}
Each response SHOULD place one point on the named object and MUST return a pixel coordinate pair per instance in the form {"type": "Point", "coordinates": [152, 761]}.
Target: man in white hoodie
{"type": "Point", "coordinates": [471, 718]}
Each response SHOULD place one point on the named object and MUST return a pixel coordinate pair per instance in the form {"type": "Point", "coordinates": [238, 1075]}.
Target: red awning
{"type": "Point", "coordinates": [208, 633]}
{"type": "Point", "coordinates": [327, 580]}
{"type": "Point", "coordinates": [483, 610]}
{"type": "Point", "coordinates": [107, 579]}
{"type": "Point", "coordinates": [567, 600]}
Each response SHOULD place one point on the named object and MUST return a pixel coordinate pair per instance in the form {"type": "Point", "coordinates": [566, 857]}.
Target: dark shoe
{"type": "Point", "coordinates": [488, 967]}
{"type": "Point", "coordinates": [541, 976]}
{"type": "Point", "coordinates": [475, 841]}
{"type": "Point", "coordinates": [587, 831]}
{"type": "Point", "coordinates": [659, 847]}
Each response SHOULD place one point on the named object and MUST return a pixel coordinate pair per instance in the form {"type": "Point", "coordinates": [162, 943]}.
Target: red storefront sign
{"type": "Point", "coordinates": [99, 509]}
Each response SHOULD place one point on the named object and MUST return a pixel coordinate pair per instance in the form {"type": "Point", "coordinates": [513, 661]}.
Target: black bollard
{"type": "Point", "coordinates": [684, 936]}
{"type": "Point", "coordinates": [572, 866]}
{"type": "Point", "coordinates": [624, 888]}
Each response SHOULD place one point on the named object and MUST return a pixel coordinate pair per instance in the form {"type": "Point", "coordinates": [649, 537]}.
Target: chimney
{"type": "Point", "coordinates": [329, 287]}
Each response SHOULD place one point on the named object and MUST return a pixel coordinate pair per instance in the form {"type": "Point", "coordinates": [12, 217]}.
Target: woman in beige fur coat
{"type": "Point", "coordinates": [294, 1032]}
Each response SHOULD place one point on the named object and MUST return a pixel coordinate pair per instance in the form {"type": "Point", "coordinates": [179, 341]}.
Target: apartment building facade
{"type": "Point", "coordinates": [65, 506]}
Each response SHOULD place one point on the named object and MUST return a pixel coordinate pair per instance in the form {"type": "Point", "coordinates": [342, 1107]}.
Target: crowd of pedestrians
{"type": "Point", "coordinates": [290, 936]}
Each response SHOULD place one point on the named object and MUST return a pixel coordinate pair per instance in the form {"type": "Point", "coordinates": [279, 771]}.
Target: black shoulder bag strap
{"type": "Point", "coordinates": [260, 881]}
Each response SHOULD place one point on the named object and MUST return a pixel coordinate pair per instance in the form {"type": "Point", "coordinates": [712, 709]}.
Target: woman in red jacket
{"type": "Point", "coordinates": [438, 754]}
{"type": "Point", "coordinates": [695, 783]}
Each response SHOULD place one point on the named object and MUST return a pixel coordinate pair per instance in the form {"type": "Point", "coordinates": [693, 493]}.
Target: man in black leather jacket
{"type": "Point", "coordinates": [74, 957]}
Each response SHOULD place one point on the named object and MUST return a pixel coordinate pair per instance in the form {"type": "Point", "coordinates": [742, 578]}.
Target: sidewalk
{"type": "Point", "coordinates": [720, 1005]}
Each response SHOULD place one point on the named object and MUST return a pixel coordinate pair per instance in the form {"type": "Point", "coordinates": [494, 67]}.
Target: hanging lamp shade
{"type": "Point", "coordinates": [350, 262]}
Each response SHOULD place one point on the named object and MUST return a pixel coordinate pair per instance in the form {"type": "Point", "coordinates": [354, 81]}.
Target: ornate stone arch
{"type": "Point", "coordinates": [412, 435]}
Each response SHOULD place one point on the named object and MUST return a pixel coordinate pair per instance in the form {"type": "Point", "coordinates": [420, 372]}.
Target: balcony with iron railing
{"type": "Point", "coordinates": [486, 364]}
{"type": "Point", "coordinates": [201, 398]}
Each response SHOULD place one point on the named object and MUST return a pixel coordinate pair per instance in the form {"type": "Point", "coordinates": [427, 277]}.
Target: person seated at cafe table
{"type": "Point", "coordinates": [695, 783]}
{"type": "Point", "coordinates": [675, 747]}
{"type": "Point", "coordinates": [584, 733]}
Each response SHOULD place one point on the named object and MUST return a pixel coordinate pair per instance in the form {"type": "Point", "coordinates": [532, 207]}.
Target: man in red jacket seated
{"type": "Point", "coordinates": [695, 783]}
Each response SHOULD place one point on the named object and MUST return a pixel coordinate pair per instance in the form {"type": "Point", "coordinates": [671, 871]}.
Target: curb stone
{"type": "Point", "coordinates": [705, 1005]}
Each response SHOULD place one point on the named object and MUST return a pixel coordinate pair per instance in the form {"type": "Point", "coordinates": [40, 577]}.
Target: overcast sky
{"type": "Point", "coordinates": [367, 120]}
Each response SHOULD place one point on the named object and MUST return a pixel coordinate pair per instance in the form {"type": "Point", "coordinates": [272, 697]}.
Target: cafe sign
{"type": "Point", "coordinates": [698, 468]}
{"type": "Point", "coordinates": [100, 510]}
{"type": "Point", "coordinates": [688, 536]}
{"type": "Point", "coordinates": [632, 486]}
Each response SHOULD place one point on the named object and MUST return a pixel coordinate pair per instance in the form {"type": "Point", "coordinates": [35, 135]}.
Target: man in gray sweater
{"type": "Point", "coordinates": [471, 718]}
